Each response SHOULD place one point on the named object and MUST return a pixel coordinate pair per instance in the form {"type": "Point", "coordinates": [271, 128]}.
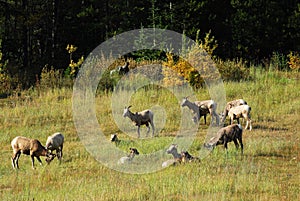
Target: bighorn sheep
{"type": "Point", "coordinates": [202, 108]}
{"type": "Point", "coordinates": [129, 158]}
{"type": "Point", "coordinates": [241, 111]}
{"type": "Point", "coordinates": [56, 142]}
{"type": "Point", "coordinates": [230, 105]}
{"type": "Point", "coordinates": [227, 134]}
{"type": "Point", "coordinates": [140, 118]}
{"type": "Point", "coordinates": [187, 157]}
{"type": "Point", "coordinates": [121, 70]}
{"type": "Point", "coordinates": [31, 147]}
{"type": "Point", "coordinates": [114, 138]}
{"type": "Point", "coordinates": [177, 158]}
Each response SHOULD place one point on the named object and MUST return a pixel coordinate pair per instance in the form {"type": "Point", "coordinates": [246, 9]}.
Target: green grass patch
{"type": "Point", "coordinates": [269, 169]}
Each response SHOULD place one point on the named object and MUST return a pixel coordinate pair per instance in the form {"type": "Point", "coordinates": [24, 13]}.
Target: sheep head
{"type": "Point", "coordinates": [50, 158]}
{"type": "Point", "coordinates": [126, 111]}
{"type": "Point", "coordinates": [113, 138]}
{"type": "Point", "coordinates": [184, 101]}
{"type": "Point", "coordinates": [172, 149]}
{"type": "Point", "coordinates": [134, 151]}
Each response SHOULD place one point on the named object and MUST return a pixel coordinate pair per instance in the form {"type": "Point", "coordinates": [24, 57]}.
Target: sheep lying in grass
{"type": "Point", "coordinates": [230, 105]}
{"type": "Point", "coordinates": [56, 142]}
{"type": "Point", "coordinates": [187, 157]}
{"type": "Point", "coordinates": [202, 108]}
{"type": "Point", "coordinates": [140, 118]}
{"type": "Point", "coordinates": [241, 111]}
{"type": "Point", "coordinates": [177, 158]}
{"type": "Point", "coordinates": [30, 147]}
{"type": "Point", "coordinates": [227, 134]}
{"type": "Point", "coordinates": [114, 138]}
{"type": "Point", "coordinates": [129, 158]}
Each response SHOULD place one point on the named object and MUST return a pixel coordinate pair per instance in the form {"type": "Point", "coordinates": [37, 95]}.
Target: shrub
{"type": "Point", "coordinates": [294, 61]}
{"type": "Point", "coordinates": [233, 70]}
{"type": "Point", "coordinates": [278, 61]}
{"type": "Point", "coordinates": [51, 79]}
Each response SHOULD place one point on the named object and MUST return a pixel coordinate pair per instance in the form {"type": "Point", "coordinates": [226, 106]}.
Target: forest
{"type": "Point", "coordinates": [36, 33]}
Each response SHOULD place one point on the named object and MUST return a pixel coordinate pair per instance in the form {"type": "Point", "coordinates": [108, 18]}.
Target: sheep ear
{"type": "Point", "coordinates": [129, 106]}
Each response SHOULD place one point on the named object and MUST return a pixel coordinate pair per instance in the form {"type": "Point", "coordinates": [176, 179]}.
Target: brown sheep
{"type": "Point", "coordinates": [227, 134]}
{"type": "Point", "coordinates": [56, 142]}
{"type": "Point", "coordinates": [140, 118]}
{"type": "Point", "coordinates": [30, 147]}
{"type": "Point", "coordinates": [230, 105]}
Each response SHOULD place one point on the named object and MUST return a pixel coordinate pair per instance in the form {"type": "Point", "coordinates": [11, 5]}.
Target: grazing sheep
{"type": "Point", "coordinates": [121, 70]}
{"type": "Point", "coordinates": [187, 157]}
{"type": "Point", "coordinates": [227, 134]}
{"type": "Point", "coordinates": [230, 105]}
{"type": "Point", "coordinates": [241, 111]}
{"type": "Point", "coordinates": [140, 118]}
{"type": "Point", "coordinates": [56, 142]}
{"type": "Point", "coordinates": [201, 108]}
{"type": "Point", "coordinates": [31, 147]}
{"type": "Point", "coordinates": [129, 158]}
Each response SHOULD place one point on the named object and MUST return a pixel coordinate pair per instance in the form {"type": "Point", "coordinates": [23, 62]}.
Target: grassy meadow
{"type": "Point", "coordinates": [269, 169]}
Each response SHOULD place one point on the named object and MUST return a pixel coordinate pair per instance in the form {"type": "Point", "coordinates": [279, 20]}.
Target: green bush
{"type": "Point", "coordinates": [233, 70]}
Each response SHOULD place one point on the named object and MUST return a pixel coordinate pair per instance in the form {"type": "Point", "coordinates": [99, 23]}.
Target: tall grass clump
{"type": "Point", "coordinates": [233, 70]}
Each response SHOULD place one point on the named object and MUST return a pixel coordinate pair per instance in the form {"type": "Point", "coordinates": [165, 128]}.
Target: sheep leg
{"type": "Point", "coordinates": [138, 131]}
{"type": "Point", "coordinates": [60, 153]}
{"type": "Point", "coordinates": [225, 115]}
{"type": "Point", "coordinates": [241, 143]}
{"type": "Point", "coordinates": [32, 161]}
{"type": "Point", "coordinates": [153, 129]}
{"type": "Point", "coordinates": [217, 119]}
{"type": "Point", "coordinates": [226, 148]}
{"type": "Point", "coordinates": [38, 158]}
{"type": "Point", "coordinates": [15, 160]}
{"type": "Point", "coordinates": [204, 116]}
{"type": "Point", "coordinates": [236, 143]}
{"type": "Point", "coordinates": [249, 119]}
{"type": "Point", "coordinates": [247, 122]}
{"type": "Point", "coordinates": [148, 130]}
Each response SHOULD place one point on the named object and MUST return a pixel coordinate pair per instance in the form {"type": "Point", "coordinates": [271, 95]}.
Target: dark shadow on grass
{"type": "Point", "coordinates": [269, 155]}
{"type": "Point", "coordinates": [264, 127]}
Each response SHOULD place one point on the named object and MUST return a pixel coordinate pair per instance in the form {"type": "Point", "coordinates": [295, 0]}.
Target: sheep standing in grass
{"type": "Point", "coordinates": [31, 147]}
{"type": "Point", "coordinates": [227, 134]}
{"type": "Point", "coordinates": [241, 111]}
{"type": "Point", "coordinates": [201, 108]}
{"type": "Point", "coordinates": [208, 107]}
{"type": "Point", "coordinates": [56, 142]}
{"type": "Point", "coordinates": [230, 105]}
{"type": "Point", "coordinates": [140, 118]}
{"type": "Point", "coordinates": [129, 158]}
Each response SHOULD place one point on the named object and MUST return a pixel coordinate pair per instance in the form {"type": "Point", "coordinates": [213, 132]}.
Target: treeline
{"type": "Point", "coordinates": [35, 33]}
